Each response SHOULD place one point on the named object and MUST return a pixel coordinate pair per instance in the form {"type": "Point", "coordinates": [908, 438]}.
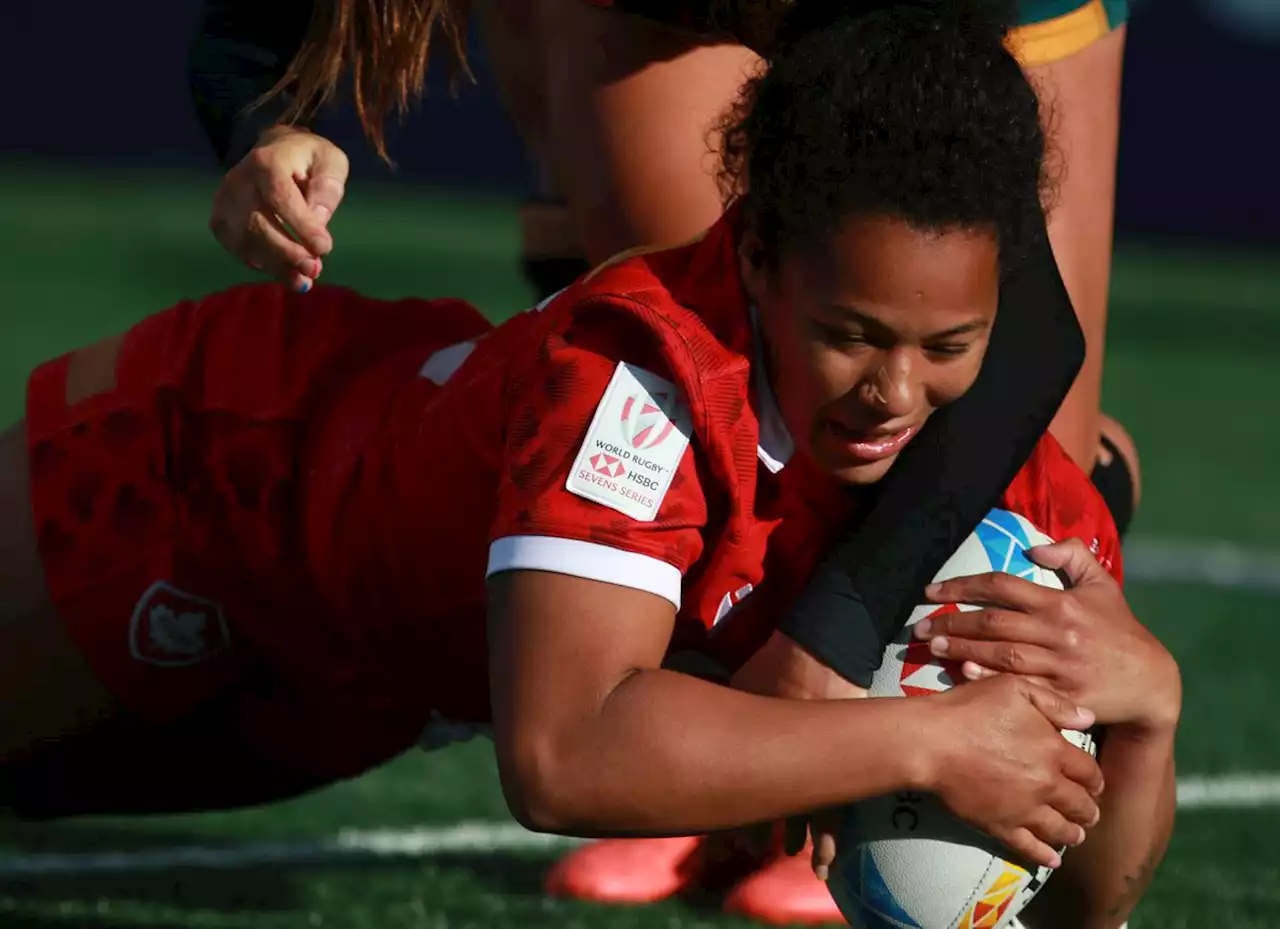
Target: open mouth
{"type": "Point", "coordinates": [870, 445]}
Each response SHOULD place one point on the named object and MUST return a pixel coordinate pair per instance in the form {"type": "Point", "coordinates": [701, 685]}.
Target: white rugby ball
{"type": "Point", "coordinates": [904, 861]}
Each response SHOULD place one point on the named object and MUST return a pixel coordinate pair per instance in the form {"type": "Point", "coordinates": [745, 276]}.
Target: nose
{"type": "Point", "coordinates": [892, 387]}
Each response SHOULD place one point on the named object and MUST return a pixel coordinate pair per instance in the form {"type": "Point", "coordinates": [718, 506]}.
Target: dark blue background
{"type": "Point", "coordinates": [106, 82]}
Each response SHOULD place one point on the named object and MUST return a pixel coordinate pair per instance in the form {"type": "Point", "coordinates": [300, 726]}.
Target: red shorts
{"type": "Point", "coordinates": [177, 476]}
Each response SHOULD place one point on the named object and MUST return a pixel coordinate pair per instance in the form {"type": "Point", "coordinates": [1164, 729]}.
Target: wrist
{"type": "Point", "coordinates": [1159, 719]}
{"type": "Point", "coordinates": [279, 131]}
{"type": "Point", "coordinates": [922, 754]}
{"type": "Point", "coordinates": [886, 748]}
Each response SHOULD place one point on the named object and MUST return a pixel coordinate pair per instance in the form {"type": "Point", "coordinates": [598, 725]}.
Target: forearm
{"type": "Point", "coordinates": [240, 50]}
{"type": "Point", "coordinates": [1101, 881]}
{"type": "Point", "coordinates": [669, 754]}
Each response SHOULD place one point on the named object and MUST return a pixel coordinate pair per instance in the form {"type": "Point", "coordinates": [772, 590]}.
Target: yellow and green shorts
{"type": "Point", "coordinates": [1049, 30]}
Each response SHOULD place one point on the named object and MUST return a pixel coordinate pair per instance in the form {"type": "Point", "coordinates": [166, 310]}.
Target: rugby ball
{"type": "Point", "coordinates": [905, 861]}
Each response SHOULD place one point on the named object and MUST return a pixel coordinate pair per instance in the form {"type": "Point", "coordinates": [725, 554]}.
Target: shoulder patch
{"type": "Point", "coordinates": [634, 444]}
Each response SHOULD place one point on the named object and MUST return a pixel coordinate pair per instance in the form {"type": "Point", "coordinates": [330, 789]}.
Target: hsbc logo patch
{"type": "Point", "coordinates": [607, 465]}
{"type": "Point", "coordinates": [634, 444]}
{"type": "Point", "coordinates": [173, 629]}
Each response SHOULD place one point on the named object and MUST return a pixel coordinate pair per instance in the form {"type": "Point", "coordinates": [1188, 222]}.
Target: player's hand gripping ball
{"type": "Point", "coordinates": [906, 860]}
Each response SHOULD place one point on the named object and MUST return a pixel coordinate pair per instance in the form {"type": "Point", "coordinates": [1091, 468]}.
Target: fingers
{"type": "Point", "coordinates": [972, 671]}
{"type": "Point", "coordinates": [1060, 711]}
{"type": "Point", "coordinates": [1033, 849]}
{"type": "Point", "coordinates": [991, 641]}
{"type": "Point", "coordinates": [324, 191]}
{"type": "Point", "coordinates": [993, 589]}
{"type": "Point", "coordinates": [822, 827]}
{"type": "Point", "coordinates": [260, 241]}
{"type": "Point", "coordinates": [1054, 830]}
{"type": "Point", "coordinates": [1073, 559]}
{"type": "Point", "coordinates": [267, 245]}
{"type": "Point", "coordinates": [1005, 657]}
{"type": "Point", "coordinates": [992, 624]}
{"type": "Point", "coordinates": [1076, 805]}
{"type": "Point", "coordinates": [281, 196]}
{"type": "Point", "coordinates": [1082, 768]}
{"type": "Point", "coordinates": [824, 854]}
{"type": "Point", "coordinates": [302, 282]}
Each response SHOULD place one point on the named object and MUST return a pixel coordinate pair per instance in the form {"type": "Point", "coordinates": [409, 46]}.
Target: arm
{"type": "Point", "coordinates": [592, 737]}
{"type": "Point", "coordinates": [239, 52]}
{"type": "Point", "coordinates": [1085, 91]}
{"type": "Point", "coordinates": [1101, 881]}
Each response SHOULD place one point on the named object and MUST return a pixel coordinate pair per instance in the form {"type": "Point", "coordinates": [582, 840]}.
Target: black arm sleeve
{"type": "Point", "coordinates": [699, 17]}
{"type": "Point", "coordinates": [947, 480]}
{"type": "Point", "coordinates": [753, 23]}
{"type": "Point", "coordinates": [240, 50]}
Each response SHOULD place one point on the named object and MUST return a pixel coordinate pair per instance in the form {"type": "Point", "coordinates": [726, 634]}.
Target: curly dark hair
{"type": "Point", "coordinates": [910, 109]}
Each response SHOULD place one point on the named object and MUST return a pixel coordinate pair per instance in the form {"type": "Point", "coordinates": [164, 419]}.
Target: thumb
{"type": "Point", "coordinates": [1058, 710]}
{"type": "Point", "coordinates": [824, 855]}
{"type": "Point", "coordinates": [324, 194]}
{"type": "Point", "coordinates": [326, 182]}
{"type": "Point", "coordinates": [1071, 558]}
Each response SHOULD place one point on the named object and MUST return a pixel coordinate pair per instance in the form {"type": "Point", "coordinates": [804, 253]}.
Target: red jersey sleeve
{"type": "Point", "coordinates": [1055, 494]}
{"type": "Point", "coordinates": [599, 477]}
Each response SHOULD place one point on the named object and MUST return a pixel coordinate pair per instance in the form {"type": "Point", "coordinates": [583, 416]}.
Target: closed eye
{"type": "Point", "coordinates": [838, 337]}
{"type": "Point", "coordinates": [949, 349]}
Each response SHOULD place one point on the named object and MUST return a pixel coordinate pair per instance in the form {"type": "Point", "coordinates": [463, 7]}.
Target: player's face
{"type": "Point", "coordinates": [869, 334]}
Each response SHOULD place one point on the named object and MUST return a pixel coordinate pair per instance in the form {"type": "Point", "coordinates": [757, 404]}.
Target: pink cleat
{"type": "Point", "coordinates": [637, 871]}
{"type": "Point", "coordinates": [785, 892]}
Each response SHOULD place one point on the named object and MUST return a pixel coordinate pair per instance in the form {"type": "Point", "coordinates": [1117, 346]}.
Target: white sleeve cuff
{"type": "Point", "coordinates": [589, 560]}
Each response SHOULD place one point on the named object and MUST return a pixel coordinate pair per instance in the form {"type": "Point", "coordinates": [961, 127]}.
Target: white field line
{"type": "Point", "coordinates": [1212, 564]}
{"type": "Point", "coordinates": [1229, 791]}
{"type": "Point", "coordinates": [346, 846]}
{"type": "Point", "coordinates": [1236, 791]}
{"type": "Point", "coordinates": [1215, 564]}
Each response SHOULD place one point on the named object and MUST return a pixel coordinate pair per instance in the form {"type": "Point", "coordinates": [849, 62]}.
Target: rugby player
{"type": "Point", "coordinates": [264, 522]}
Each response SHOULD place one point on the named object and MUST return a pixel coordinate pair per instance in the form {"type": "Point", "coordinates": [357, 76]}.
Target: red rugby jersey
{"type": "Point", "coordinates": [624, 433]}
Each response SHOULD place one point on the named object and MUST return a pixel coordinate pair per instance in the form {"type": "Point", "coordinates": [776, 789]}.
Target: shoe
{"type": "Point", "coordinates": [785, 892]}
{"type": "Point", "coordinates": [637, 871]}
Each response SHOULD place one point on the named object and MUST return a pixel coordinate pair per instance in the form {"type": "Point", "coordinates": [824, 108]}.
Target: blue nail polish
{"type": "Point", "coordinates": [306, 286]}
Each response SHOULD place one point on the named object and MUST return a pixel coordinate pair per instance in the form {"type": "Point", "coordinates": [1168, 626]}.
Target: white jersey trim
{"type": "Point", "coordinates": [445, 363]}
{"type": "Point", "coordinates": [589, 560]}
